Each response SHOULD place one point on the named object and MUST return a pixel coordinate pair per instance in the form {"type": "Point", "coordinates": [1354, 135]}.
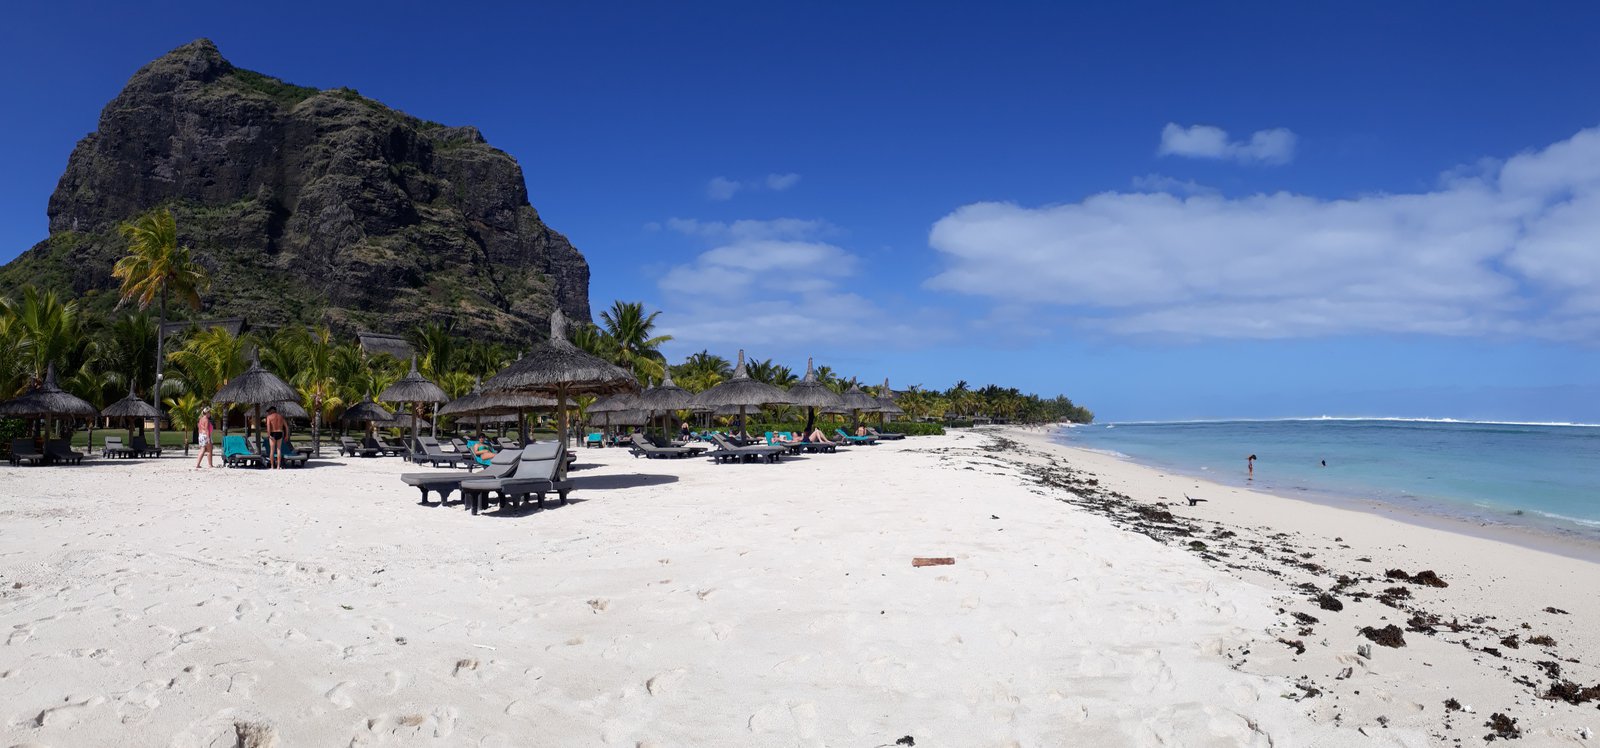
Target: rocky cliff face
{"type": "Point", "coordinates": [308, 205]}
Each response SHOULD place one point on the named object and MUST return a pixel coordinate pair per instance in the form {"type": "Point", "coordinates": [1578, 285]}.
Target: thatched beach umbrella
{"type": "Point", "coordinates": [130, 408]}
{"type": "Point", "coordinates": [666, 397]}
{"type": "Point", "coordinates": [812, 394]}
{"type": "Point", "coordinates": [366, 412]}
{"type": "Point", "coordinates": [256, 386]}
{"type": "Point", "coordinates": [291, 409]}
{"type": "Point", "coordinates": [886, 406]}
{"type": "Point", "coordinates": [607, 406]}
{"type": "Point", "coordinates": [855, 402]}
{"type": "Point", "coordinates": [47, 401]}
{"type": "Point", "coordinates": [742, 392]}
{"type": "Point", "coordinates": [556, 367]}
{"type": "Point", "coordinates": [412, 389]}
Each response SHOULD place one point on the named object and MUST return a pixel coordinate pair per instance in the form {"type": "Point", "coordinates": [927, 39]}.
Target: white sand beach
{"type": "Point", "coordinates": [683, 603]}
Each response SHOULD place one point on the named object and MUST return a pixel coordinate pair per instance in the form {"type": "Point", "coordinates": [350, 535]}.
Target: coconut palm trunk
{"type": "Point", "coordinates": [155, 396]}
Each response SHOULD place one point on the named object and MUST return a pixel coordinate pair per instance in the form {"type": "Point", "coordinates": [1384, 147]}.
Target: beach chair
{"type": "Point", "coordinates": [353, 448]}
{"type": "Point", "coordinates": [369, 442]}
{"type": "Point", "coordinates": [445, 481]}
{"type": "Point", "coordinates": [395, 447]}
{"type": "Point", "coordinates": [293, 457]}
{"type": "Point", "coordinates": [433, 455]}
{"type": "Point", "coordinates": [114, 447]}
{"type": "Point", "coordinates": [60, 450]}
{"type": "Point", "coordinates": [22, 450]}
{"type": "Point", "coordinates": [727, 451]}
{"type": "Point", "coordinates": [886, 435]}
{"type": "Point", "coordinates": [537, 473]}
{"type": "Point", "coordinates": [868, 440]}
{"type": "Point", "coordinates": [594, 441]}
{"type": "Point", "coordinates": [642, 448]}
{"type": "Point", "coordinates": [236, 452]}
{"type": "Point", "coordinates": [473, 455]}
{"type": "Point", "coordinates": [143, 449]}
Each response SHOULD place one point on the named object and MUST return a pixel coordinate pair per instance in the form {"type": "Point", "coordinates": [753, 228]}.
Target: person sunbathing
{"type": "Point", "coordinates": [482, 451]}
{"type": "Point", "coordinates": [816, 437]}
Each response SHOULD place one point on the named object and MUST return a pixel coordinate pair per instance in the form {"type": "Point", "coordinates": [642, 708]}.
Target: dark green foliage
{"type": "Point", "coordinates": [909, 428]}
{"type": "Point", "coordinates": [286, 94]}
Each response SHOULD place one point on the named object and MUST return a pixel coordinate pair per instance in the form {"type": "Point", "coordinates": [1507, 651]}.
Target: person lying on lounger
{"type": "Point", "coordinates": [816, 437]}
{"type": "Point", "coordinates": [484, 452]}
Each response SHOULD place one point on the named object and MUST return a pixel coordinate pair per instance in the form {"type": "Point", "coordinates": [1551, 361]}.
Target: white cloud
{"type": "Point", "coordinates": [1510, 251]}
{"type": "Point", "coordinates": [723, 188]}
{"type": "Point", "coordinates": [1275, 146]}
{"type": "Point", "coordinates": [781, 182]}
{"type": "Point", "coordinates": [774, 283]}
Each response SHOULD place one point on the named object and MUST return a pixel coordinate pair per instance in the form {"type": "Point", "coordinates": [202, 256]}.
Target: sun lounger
{"type": "Point", "coordinates": [23, 450]}
{"type": "Point", "coordinates": [353, 448]}
{"type": "Point", "coordinates": [727, 452]}
{"type": "Point", "coordinates": [395, 447]}
{"type": "Point", "coordinates": [114, 448]}
{"type": "Point", "coordinates": [293, 457]}
{"type": "Point", "coordinates": [60, 450]}
{"type": "Point", "coordinates": [536, 474]}
{"type": "Point", "coordinates": [595, 440]}
{"type": "Point", "coordinates": [383, 449]}
{"type": "Point", "coordinates": [445, 481]}
{"type": "Point", "coordinates": [886, 435]}
{"type": "Point", "coordinates": [433, 455]}
{"type": "Point", "coordinates": [641, 448]}
{"type": "Point", "coordinates": [869, 440]}
{"type": "Point", "coordinates": [236, 452]}
{"type": "Point", "coordinates": [139, 446]}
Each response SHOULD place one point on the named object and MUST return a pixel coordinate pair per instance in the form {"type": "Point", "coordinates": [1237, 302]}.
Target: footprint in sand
{"type": "Point", "coordinates": [239, 684]}
{"type": "Point", "coordinates": [243, 609]}
{"type": "Point", "coordinates": [22, 633]}
{"type": "Point", "coordinates": [67, 713]}
{"type": "Point", "coordinates": [398, 679]}
{"type": "Point", "coordinates": [138, 703]}
{"type": "Point", "coordinates": [340, 695]}
{"type": "Point", "coordinates": [665, 682]}
{"type": "Point", "coordinates": [197, 635]}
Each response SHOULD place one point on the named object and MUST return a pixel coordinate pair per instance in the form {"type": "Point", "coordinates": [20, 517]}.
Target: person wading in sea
{"type": "Point", "coordinates": [1250, 464]}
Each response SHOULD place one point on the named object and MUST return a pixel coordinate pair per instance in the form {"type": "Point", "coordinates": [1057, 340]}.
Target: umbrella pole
{"type": "Point", "coordinates": [522, 427]}
{"type": "Point", "coordinates": [433, 428]}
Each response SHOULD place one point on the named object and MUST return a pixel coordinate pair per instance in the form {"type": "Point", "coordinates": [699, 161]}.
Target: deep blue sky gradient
{"type": "Point", "coordinates": [897, 114]}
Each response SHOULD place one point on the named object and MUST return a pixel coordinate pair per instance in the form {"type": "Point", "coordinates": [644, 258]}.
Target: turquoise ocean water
{"type": "Point", "coordinates": [1543, 476]}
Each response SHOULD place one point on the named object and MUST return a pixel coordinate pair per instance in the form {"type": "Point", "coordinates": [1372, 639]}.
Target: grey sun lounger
{"type": "Point", "coordinates": [642, 448]}
{"type": "Point", "coordinates": [885, 435]}
{"type": "Point", "coordinates": [536, 474]}
{"type": "Point", "coordinates": [114, 447]}
{"type": "Point", "coordinates": [383, 449]}
{"type": "Point", "coordinates": [433, 455]}
{"type": "Point", "coordinates": [60, 450]}
{"type": "Point", "coordinates": [727, 452]}
{"type": "Point", "coordinates": [349, 446]}
{"type": "Point", "coordinates": [139, 446]}
{"type": "Point", "coordinates": [446, 481]}
{"type": "Point", "coordinates": [22, 449]}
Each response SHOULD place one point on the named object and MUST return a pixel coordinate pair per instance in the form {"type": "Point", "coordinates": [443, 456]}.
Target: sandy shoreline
{"type": "Point", "coordinates": [686, 603]}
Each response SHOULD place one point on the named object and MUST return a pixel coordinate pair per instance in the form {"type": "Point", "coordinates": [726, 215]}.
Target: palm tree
{"type": "Point", "coordinates": [48, 330]}
{"type": "Point", "coordinates": [184, 411]}
{"type": "Point", "coordinates": [702, 371]}
{"type": "Point", "coordinates": [630, 331]}
{"type": "Point", "coordinates": [208, 359]}
{"type": "Point", "coordinates": [314, 375]}
{"type": "Point", "coordinates": [435, 347]}
{"type": "Point", "coordinates": [13, 350]}
{"type": "Point", "coordinates": [156, 266]}
{"type": "Point", "coordinates": [130, 342]}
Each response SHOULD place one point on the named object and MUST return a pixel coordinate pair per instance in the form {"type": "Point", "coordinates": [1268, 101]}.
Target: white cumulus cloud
{"type": "Point", "coordinates": [1509, 249]}
{"type": "Point", "coordinates": [724, 188]}
{"type": "Point", "coordinates": [1275, 146]}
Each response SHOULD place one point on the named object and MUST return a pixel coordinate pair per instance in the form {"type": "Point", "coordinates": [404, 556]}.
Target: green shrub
{"type": "Point", "coordinates": [960, 423]}
{"type": "Point", "coordinates": [909, 428]}
{"type": "Point", "coordinates": [11, 428]}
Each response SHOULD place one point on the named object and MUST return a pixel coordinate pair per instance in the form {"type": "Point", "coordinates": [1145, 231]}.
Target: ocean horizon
{"type": "Point", "coordinates": [1536, 475]}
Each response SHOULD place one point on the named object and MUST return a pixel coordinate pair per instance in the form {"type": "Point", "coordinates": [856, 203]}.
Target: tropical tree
{"type": "Point", "coordinates": [315, 377]}
{"type": "Point", "coordinates": [155, 267]}
{"type": "Point", "coordinates": [208, 359]}
{"type": "Point", "coordinates": [702, 371]}
{"type": "Point", "coordinates": [13, 351]}
{"type": "Point", "coordinates": [631, 332]}
{"type": "Point", "coordinates": [129, 344]}
{"type": "Point", "coordinates": [435, 347]}
{"type": "Point", "coordinates": [48, 331]}
{"type": "Point", "coordinates": [184, 412]}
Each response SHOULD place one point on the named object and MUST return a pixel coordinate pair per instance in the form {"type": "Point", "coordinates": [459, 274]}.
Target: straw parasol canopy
{"type": "Point", "coordinates": [614, 403]}
{"type": "Point", "coordinates": [47, 400]}
{"type": "Point", "coordinates": [666, 397]}
{"type": "Point", "coordinates": [368, 411]}
{"type": "Point", "coordinates": [130, 407]}
{"type": "Point", "coordinates": [743, 392]}
{"type": "Point", "coordinates": [399, 421]}
{"type": "Point", "coordinates": [291, 409]}
{"type": "Point", "coordinates": [256, 386]}
{"type": "Point", "coordinates": [886, 406]}
{"type": "Point", "coordinates": [556, 367]}
{"type": "Point", "coordinates": [627, 418]}
{"type": "Point", "coordinates": [855, 402]}
{"type": "Point", "coordinates": [414, 388]}
{"type": "Point", "coordinates": [813, 395]}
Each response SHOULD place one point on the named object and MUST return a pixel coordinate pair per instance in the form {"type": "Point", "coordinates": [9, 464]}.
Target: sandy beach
{"type": "Point", "coordinates": [684, 603]}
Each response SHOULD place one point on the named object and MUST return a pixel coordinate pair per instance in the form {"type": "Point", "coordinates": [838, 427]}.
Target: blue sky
{"type": "Point", "coordinates": [1161, 210]}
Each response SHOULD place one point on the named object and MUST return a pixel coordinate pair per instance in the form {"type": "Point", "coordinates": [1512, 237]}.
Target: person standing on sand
{"type": "Point", "coordinates": [277, 431]}
{"type": "Point", "coordinates": [1250, 464]}
{"type": "Point", "coordinates": [204, 429]}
